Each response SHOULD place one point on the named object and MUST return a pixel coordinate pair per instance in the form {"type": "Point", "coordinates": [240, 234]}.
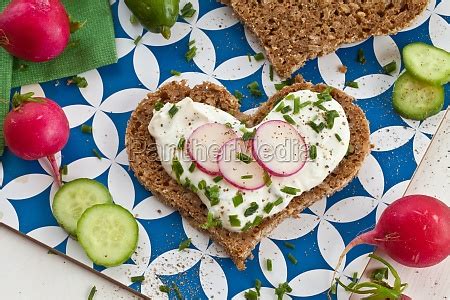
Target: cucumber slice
{"type": "Point", "coordinates": [416, 99]}
{"type": "Point", "coordinates": [108, 233]}
{"type": "Point", "coordinates": [427, 63]}
{"type": "Point", "coordinates": [74, 197]}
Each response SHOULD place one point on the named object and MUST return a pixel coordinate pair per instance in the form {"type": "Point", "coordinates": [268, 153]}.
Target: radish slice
{"type": "Point", "coordinates": [279, 148]}
{"type": "Point", "coordinates": [204, 145]}
{"type": "Point", "coordinates": [238, 167]}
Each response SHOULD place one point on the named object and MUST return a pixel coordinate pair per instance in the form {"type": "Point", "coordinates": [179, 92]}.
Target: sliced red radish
{"type": "Point", "coordinates": [204, 145]}
{"type": "Point", "coordinates": [238, 166]}
{"type": "Point", "coordinates": [279, 148]}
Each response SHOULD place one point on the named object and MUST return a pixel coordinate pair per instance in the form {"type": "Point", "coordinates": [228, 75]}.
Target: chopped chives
{"type": "Point", "coordinates": [267, 209]}
{"type": "Point", "coordinates": [338, 137]}
{"type": "Point", "coordinates": [173, 110]}
{"type": "Point", "coordinates": [269, 265]}
{"type": "Point", "coordinates": [228, 124]}
{"type": "Point", "coordinates": [238, 95]}
{"type": "Point", "coordinates": [361, 58]}
{"type": "Point", "coordinates": [187, 11]}
{"type": "Point", "coordinates": [278, 201]}
{"type": "Point", "coordinates": [254, 89]}
{"type": "Point", "coordinates": [164, 289]}
{"type": "Point", "coordinates": [289, 245]}
{"type": "Point", "coordinates": [258, 286]}
{"type": "Point", "coordinates": [279, 107]}
{"type": "Point", "coordinates": [80, 82]}
{"type": "Point", "coordinates": [63, 170]}
{"type": "Point", "coordinates": [246, 176]}
{"type": "Point", "coordinates": [181, 143]}
{"type": "Point", "coordinates": [190, 54]}
{"type": "Point", "coordinates": [271, 73]}
{"type": "Point", "coordinates": [217, 179]}
{"type": "Point", "coordinates": [330, 116]}
{"type": "Point", "coordinates": [211, 222]}
{"type": "Point", "coordinates": [315, 127]}
{"type": "Point", "coordinates": [238, 199]}
{"type": "Point", "coordinates": [92, 293]}
{"type": "Point", "coordinates": [286, 109]}
{"type": "Point", "coordinates": [267, 179]}
{"type": "Point", "coordinates": [184, 244]}
{"type": "Point", "coordinates": [192, 167]}
{"type": "Point", "coordinates": [251, 209]}
{"type": "Point", "coordinates": [296, 105]}
{"type": "Point", "coordinates": [247, 226]}
{"type": "Point", "coordinates": [257, 221]}
{"type": "Point", "coordinates": [352, 84]}
{"type": "Point", "coordinates": [86, 128]}
{"type": "Point", "coordinates": [288, 119]}
{"type": "Point", "coordinates": [243, 157]}
{"type": "Point", "coordinates": [282, 289]}
{"type": "Point", "coordinates": [191, 43]}
{"type": "Point", "coordinates": [259, 56]}
{"type": "Point", "coordinates": [304, 104]}
{"type": "Point", "coordinates": [313, 152]}
{"type": "Point", "coordinates": [138, 40]}
{"type": "Point", "coordinates": [158, 105]}
{"type": "Point", "coordinates": [292, 258]}
{"type": "Point", "coordinates": [249, 57]}
{"type": "Point", "coordinates": [248, 135]}
{"type": "Point", "coordinates": [212, 193]}
{"type": "Point", "coordinates": [390, 67]}
{"type": "Point", "coordinates": [251, 295]}
{"type": "Point", "coordinates": [290, 190]}
{"type": "Point", "coordinates": [187, 183]}
{"type": "Point", "coordinates": [290, 97]}
{"type": "Point", "coordinates": [137, 278]}
{"type": "Point", "coordinates": [202, 184]}
{"type": "Point", "coordinates": [177, 168]}
{"type": "Point", "coordinates": [279, 86]}
{"type": "Point", "coordinates": [193, 188]}
{"type": "Point", "coordinates": [177, 291]}
{"type": "Point", "coordinates": [234, 221]}
{"type": "Point", "coordinates": [175, 73]}
{"type": "Point", "coordinates": [96, 154]}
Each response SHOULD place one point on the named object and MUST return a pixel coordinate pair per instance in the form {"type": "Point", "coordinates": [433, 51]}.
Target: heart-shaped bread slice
{"type": "Point", "coordinates": [292, 32]}
{"type": "Point", "coordinates": [145, 163]}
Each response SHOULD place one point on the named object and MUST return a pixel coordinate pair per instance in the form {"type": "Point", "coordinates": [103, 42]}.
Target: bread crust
{"type": "Point", "coordinates": [294, 31]}
{"type": "Point", "coordinates": [147, 168]}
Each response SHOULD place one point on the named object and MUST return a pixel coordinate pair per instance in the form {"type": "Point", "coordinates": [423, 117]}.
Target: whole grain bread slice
{"type": "Point", "coordinates": [145, 163]}
{"type": "Point", "coordinates": [294, 31]}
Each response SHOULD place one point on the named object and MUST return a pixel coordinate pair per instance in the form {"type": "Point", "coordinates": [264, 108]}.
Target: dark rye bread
{"type": "Point", "coordinates": [294, 31]}
{"type": "Point", "coordinates": [145, 163]}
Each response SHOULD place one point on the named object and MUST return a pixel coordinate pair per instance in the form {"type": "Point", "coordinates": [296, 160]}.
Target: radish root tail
{"type": "Point", "coordinates": [55, 169]}
{"type": "Point", "coordinates": [3, 38]}
{"type": "Point", "coordinates": [365, 238]}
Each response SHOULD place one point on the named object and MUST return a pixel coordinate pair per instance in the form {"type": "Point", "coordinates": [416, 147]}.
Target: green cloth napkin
{"type": "Point", "coordinates": [90, 47]}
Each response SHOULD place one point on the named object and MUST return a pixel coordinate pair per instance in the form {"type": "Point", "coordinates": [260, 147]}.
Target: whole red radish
{"type": "Point", "coordinates": [34, 30]}
{"type": "Point", "coordinates": [36, 128]}
{"type": "Point", "coordinates": [413, 230]}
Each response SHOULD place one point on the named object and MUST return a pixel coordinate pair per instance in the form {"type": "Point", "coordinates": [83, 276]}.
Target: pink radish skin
{"type": "Point", "coordinates": [232, 169]}
{"type": "Point", "coordinates": [204, 144]}
{"type": "Point", "coordinates": [413, 230]}
{"type": "Point", "coordinates": [34, 30]}
{"type": "Point", "coordinates": [268, 139]}
{"type": "Point", "coordinates": [36, 128]}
